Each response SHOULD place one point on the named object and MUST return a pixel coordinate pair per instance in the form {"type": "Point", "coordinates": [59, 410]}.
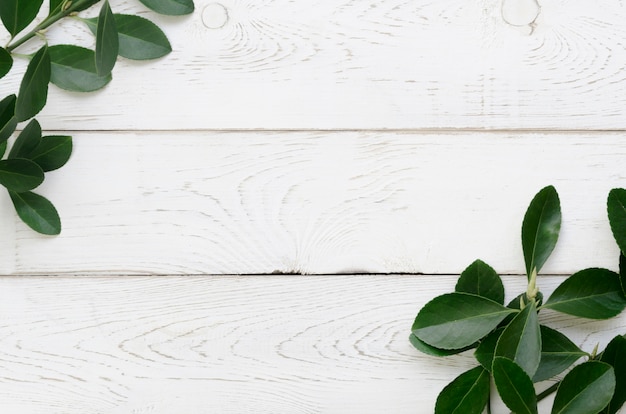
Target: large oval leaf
{"type": "Point", "coordinates": [587, 388]}
{"type": "Point", "coordinates": [20, 174]}
{"type": "Point", "coordinates": [590, 293]}
{"type": "Point", "coordinates": [466, 394]}
{"type": "Point", "coordinates": [17, 14]}
{"type": "Point", "coordinates": [514, 386]}
{"type": "Point", "coordinates": [540, 229]}
{"type": "Point", "coordinates": [170, 7]}
{"type": "Point", "coordinates": [34, 87]}
{"type": "Point", "coordinates": [6, 62]}
{"type": "Point", "coordinates": [615, 355]}
{"type": "Point", "coordinates": [139, 38]}
{"type": "Point", "coordinates": [37, 212]}
{"type": "Point", "coordinates": [521, 340]}
{"type": "Point", "coordinates": [557, 354]}
{"type": "Point", "coordinates": [107, 41]}
{"type": "Point", "coordinates": [480, 279]}
{"type": "Point", "coordinates": [27, 140]}
{"type": "Point", "coordinates": [8, 123]}
{"type": "Point", "coordinates": [52, 152]}
{"type": "Point", "coordinates": [74, 69]}
{"type": "Point", "coordinates": [616, 209]}
{"type": "Point", "coordinates": [431, 350]}
{"type": "Point", "coordinates": [457, 320]}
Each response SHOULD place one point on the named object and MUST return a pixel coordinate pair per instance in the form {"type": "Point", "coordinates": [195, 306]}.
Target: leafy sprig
{"type": "Point", "coordinates": [24, 163]}
{"type": "Point", "coordinates": [511, 344]}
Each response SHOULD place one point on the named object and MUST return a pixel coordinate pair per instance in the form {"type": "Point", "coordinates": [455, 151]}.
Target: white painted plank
{"type": "Point", "coordinates": [364, 64]}
{"type": "Point", "coordinates": [317, 202]}
{"type": "Point", "coordinates": [282, 344]}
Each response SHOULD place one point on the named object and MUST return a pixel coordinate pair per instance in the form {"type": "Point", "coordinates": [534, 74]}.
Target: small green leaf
{"type": "Point", "coordinates": [480, 279]}
{"type": "Point", "coordinates": [139, 38]}
{"type": "Point", "coordinates": [74, 69]}
{"type": "Point", "coordinates": [37, 212]}
{"type": "Point", "coordinates": [17, 14]}
{"type": "Point", "coordinates": [20, 175]}
{"type": "Point", "coordinates": [170, 7]}
{"type": "Point", "coordinates": [615, 355]}
{"type": "Point", "coordinates": [431, 350]}
{"type": "Point", "coordinates": [457, 320]}
{"type": "Point", "coordinates": [52, 152]}
{"type": "Point", "coordinates": [34, 87]}
{"type": "Point", "coordinates": [514, 386]}
{"type": "Point", "coordinates": [590, 293]}
{"type": "Point", "coordinates": [466, 394]}
{"type": "Point", "coordinates": [27, 140]}
{"type": "Point", "coordinates": [486, 350]}
{"type": "Point", "coordinates": [616, 209]}
{"type": "Point", "coordinates": [587, 388]}
{"type": "Point", "coordinates": [80, 5]}
{"type": "Point", "coordinates": [557, 354]}
{"type": "Point", "coordinates": [56, 6]}
{"type": "Point", "coordinates": [540, 229]}
{"type": "Point", "coordinates": [69, 6]}
{"type": "Point", "coordinates": [521, 340]}
{"type": "Point", "coordinates": [6, 62]}
{"type": "Point", "coordinates": [8, 123]}
{"type": "Point", "coordinates": [107, 42]}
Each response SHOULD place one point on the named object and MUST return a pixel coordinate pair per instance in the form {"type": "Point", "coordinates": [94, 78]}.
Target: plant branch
{"type": "Point", "coordinates": [548, 391]}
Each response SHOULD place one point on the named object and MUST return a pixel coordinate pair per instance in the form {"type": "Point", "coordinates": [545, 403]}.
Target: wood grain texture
{"type": "Point", "coordinates": [383, 64]}
{"type": "Point", "coordinates": [281, 344]}
{"type": "Point", "coordinates": [317, 202]}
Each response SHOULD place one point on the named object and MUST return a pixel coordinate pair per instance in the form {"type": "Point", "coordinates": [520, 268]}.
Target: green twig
{"type": "Point", "coordinates": [548, 391]}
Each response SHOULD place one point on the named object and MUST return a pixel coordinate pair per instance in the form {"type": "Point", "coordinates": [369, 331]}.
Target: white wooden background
{"type": "Point", "coordinates": [235, 214]}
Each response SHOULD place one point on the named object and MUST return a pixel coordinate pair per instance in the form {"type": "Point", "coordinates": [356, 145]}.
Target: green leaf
{"type": "Point", "coordinates": [56, 6]}
{"type": "Point", "coordinates": [557, 354]}
{"type": "Point", "coordinates": [34, 87]}
{"type": "Point", "coordinates": [486, 350]}
{"type": "Point", "coordinates": [170, 7]}
{"type": "Point", "coordinates": [590, 293]}
{"type": "Point", "coordinates": [37, 212]}
{"type": "Point", "coordinates": [457, 320]}
{"type": "Point", "coordinates": [480, 279]}
{"type": "Point", "coordinates": [20, 175]}
{"type": "Point", "coordinates": [27, 140]}
{"type": "Point", "coordinates": [74, 69]}
{"type": "Point", "coordinates": [107, 43]}
{"type": "Point", "coordinates": [616, 209]}
{"type": "Point", "coordinates": [6, 62]}
{"type": "Point", "coordinates": [52, 152]}
{"type": "Point", "coordinates": [466, 394]}
{"type": "Point", "coordinates": [8, 123]}
{"type": "Point", "coordinates": [622, 272]}
{"type": "Point", "coordinates": [514, 386]}
{"type": "Point", "coordinates": [17, 14]}
{"type": "Point", "coordinates": [431, 350]}
{"type": "Point", "coordinates": [139, 38]}
{"type": "Point", "coordinates": [540, 229]}
{"type": "Point", "coordinates": [615, 355]}
{"type": "Point", "coordinates": [521, 340]}
{"type": "Point", "coordinates": [3, 148]}
{"type": "Point", "coordinates": [587, 388]}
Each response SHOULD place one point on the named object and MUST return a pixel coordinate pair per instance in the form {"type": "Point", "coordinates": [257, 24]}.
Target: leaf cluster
{"type": "Point", "coordinates": [511, 344]}
{"type": "Point", "coordinates": [24, 163]}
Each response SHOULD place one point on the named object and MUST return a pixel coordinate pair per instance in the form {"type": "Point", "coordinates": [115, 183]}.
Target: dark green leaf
{"type": "Point", "coordinates": [457, 320]}
{"type": "Point", "coordinates": [622, 272]}
{"type": "Point", "coordinates": [591, 293]}
{"type": "Point", "coordinates": [466, 394]}
{"type": "Point", "coordinates": [6, 62]}
{"type": "Point", "coordinates": [34, 87]}
{"type": "Point", "coordinates": [587, 388]}
{"type": "Point", "coordinates": [514, 386]}
{"type": "Point", "coordinates": [74, 69]}
{"type": "Point", "coordinates": [615, 355]}
{"type": "Point", "coordinates": [107, 43]}
{"type": "Point", "coordinates": [486, 350]}
{"type": "Point", "coordinates": [431, 350]}
{"type": "Point", "coordinates": [79, 5]}
{"type": "Point", "coordinates": [480, 279]}
{"type": "Point", "coordinates": [17, 14]}
{"type": "Point", "coordinates": [53, 152]}
{"type": "Point", "coordinates": [56, 6]}
{"type": "Point", "coordinates": [616, 208]}
{"type": "Point", "coordinates": [27, 140]}
{"type": "Point", "coordinates": [8, 123]}
{"type": "Point", "coordinates": [20, 175]}
{"type": "Point", "coordinates": [170, 7]}
{"type": "Point", "coordinates": [37, 212]}
{"type": "Point", "coordinates": [139, 38]}
{"type": "Point", "coordinates": [540, 229]}
{"type": "Point", "coordinates": [3, 148]}
{"type": "Point", "coordinates": [557, 354]}
{"type": "Point", "coordinates": [521, 340]}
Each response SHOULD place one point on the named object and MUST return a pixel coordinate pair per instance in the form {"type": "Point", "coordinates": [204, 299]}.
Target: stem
{"type": "Point", "coordinates": [548, 391]}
